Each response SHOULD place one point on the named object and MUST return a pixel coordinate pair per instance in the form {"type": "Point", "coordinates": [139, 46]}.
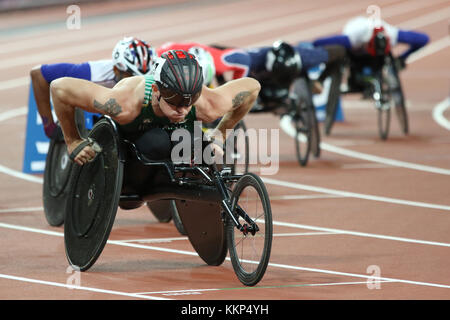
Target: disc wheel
{"type": "Point", "coordinates": [57, 173]}
{"type": "Point", "coordinates": [250, 247]}
{"type": "Point", "coordinates": [94, 199]}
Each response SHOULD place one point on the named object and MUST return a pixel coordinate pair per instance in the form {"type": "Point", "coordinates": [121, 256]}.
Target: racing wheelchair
{"type": "Point", "coordinates": [58, 168]}
{"type": "Point", "coordinates": [218, 210]}
{"type": "Point", "coordinates": [376, 78]}
{"type": "Point", "coordinates": [296, 109]}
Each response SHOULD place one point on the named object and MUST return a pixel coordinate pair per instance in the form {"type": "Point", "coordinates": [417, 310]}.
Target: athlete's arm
{"type": "Point", "coordinates": [122, 103]}
{"type": "Point", "coordinates": [231, 101]}
{"type": "Point", "coordinates": [42, 76]}
{"type": "Point", "coordinates": [341, 40]}
{"type": "Point", "coordinates": [414, 39]}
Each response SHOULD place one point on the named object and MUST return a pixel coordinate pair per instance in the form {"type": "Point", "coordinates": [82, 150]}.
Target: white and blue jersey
{"type": "Point", "coordinates": [358, 32]}
{"type": "Point", "coordinates": [100, 72]}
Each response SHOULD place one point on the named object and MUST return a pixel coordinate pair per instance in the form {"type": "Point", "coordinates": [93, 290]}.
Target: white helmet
{"type": "Point", "coordinates": [206, 61]}
{"type": "Point", "coordinates": [133, 55]}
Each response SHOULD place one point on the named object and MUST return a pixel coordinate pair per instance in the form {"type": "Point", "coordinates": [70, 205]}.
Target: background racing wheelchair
{"type": "Point", "coordinates": [376, 76]}
{"type": "Point", "coordinates": [218, 210]}
{"type": "Point", "coordinates": [287, 91]}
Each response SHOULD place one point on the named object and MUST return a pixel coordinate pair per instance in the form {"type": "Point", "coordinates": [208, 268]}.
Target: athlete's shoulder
{"type": "Point", "coordinates": [101, 70]}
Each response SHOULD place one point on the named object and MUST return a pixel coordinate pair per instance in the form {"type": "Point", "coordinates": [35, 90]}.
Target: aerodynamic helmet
{"type": "Point", "coordinates": [379, 44]}
{"type": "Point", "coordinates": [284, 62]}
{"type": "Point", "coordinates": [206, 61]}
{"type": "Point", "coordinates": [179, 77]}
{"type": "Point", "coordinates": [133, 55]}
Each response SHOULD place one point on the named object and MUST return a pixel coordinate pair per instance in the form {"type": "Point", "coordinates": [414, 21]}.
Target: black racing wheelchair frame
{"type": "Point", "coordinates": [298, 110]}
{"type": "Point", "coordinates": [213, 205]}
{"type": "Point", "coordinates": [382, 84]}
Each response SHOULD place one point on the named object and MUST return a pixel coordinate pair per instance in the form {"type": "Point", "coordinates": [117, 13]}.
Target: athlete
{"type": "Point", "coordinates": [226, 60]}
{"type": "Point", "coordinates": [360, 34]}
{"type": "Point", "coordinates": [130, 57]}
{"type": "Point", "coordinates": [173, 94]}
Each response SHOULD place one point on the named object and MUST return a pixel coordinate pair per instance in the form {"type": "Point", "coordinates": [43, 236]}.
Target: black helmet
{"type": "Point", "coordinates": [284, 63]}
{"type": "Point", "coordinates": [179, 78]}
{"type": "Point", "coordinates": [379, 44]}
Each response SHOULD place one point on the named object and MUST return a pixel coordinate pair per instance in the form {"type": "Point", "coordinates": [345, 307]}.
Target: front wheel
{"type": "Point", "coordinates": [250, 247]}
{"type": "Point", "coordinates": [384, 120]}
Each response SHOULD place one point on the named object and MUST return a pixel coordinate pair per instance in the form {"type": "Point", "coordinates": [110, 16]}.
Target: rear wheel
{"type": "Point", "coordinates": [333, 98]}
{"type": "Point", "coordinates": [57, 173]}
{"type": "Point", "coordinates": [384, 120]}
{"type": "Point", "coordinates": [398, 97]}
{"type": "Point", "coordinates": [302, 120]}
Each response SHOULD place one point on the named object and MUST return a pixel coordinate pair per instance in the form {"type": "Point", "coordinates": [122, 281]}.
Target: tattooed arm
{"type": "Point", "coordinates": [231, 101]}
{"type": "Point", "coordinates": [122, 103]}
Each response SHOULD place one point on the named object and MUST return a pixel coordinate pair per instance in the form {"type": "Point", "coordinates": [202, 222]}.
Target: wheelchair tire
{"type": "Point", "coordinates": [302, 88]}
{"type": "Point", "coordinates": [94, 199]}
{"type": "Point", "coordinates": [58, 168]}
{"type": "Point", "coordinates": [333, 98]}
{"type": "Point", "coordinates": [57, 173]}
{"type": "Point", "coordinates": [250, 248]}
{"type": "Point", "coordinates": [399, 99]}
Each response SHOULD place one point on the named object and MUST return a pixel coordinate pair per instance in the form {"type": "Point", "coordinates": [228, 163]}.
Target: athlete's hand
{"type": "Point", "coordinates": [87, 154]}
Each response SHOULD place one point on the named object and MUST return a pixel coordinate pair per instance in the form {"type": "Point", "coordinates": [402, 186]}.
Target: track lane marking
{"type": "Point", "coordinates": [438, 113]}
{"type": "Point", "coordinates": [198, 291]}
{"type": "Point", "coordinates": [76, 287]}
{"type": "Point", "coordinates": [294, 185]}
{"type": "Point", "coordinates": [277, 265]}
{"type": "Point", "coordinates": [286, 126]}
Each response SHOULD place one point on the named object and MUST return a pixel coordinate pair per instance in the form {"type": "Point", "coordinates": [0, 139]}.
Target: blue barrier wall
{"type": "Point", "coordinates": [36, 142]}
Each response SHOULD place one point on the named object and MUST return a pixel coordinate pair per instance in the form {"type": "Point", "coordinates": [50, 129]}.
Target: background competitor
{"type": "Point", "coordinates": [130, 56]}
{"type": "Point", "coordinates": [359, 35]}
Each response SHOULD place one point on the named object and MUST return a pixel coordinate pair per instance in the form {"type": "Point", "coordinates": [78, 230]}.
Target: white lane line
{"type": "Point", "coordinates": [167, 240]}
{"type": "Point", "coordinates": [6, 115]}
{"type": "Point", "coordinates": [14, 83]}
{"type": "Point", "coordinates": [438, 113]}
{"type": "Point", "coordinates": [424, 20]}
{"type": "Point", "coordinates": [82, 288]}
{"type": "Point", "coordinates": [190, 253]}
{"type": "Point", "coordinates": [353, 194]}
{"type": "Point", "coordinates": [159, 240]}
{"type": "Point", "coordinates": [305, 197]}
{"type": "Point", "coordinates": [429, 49]}
{"type": "Point", "coordinates": [20, 175]}
{"type": "Point", "coordinates": [29, 209]}
{"type": "Point", "coordinates": [371, 278]}
{"type": "Point", "coordinates": [198, 291]}
{"type": "Point", "coordinates": [360, 234]}
{"type": "Point", "coordinates": [365, 166]}
{"type": "Point", "coordinates": [286, 126]}
{"type": "Point", "coordinates": [386, 161]}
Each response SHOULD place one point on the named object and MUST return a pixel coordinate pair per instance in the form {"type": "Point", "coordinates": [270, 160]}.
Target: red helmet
{"type": "Point", "coordinates": [179, 77]}
{"type": "Point", "coordinates": [379, 44]}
